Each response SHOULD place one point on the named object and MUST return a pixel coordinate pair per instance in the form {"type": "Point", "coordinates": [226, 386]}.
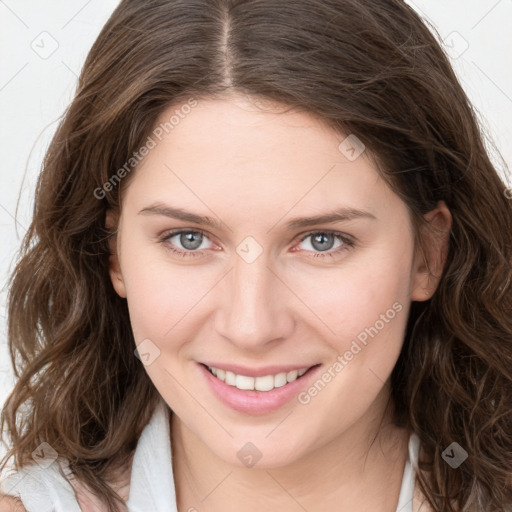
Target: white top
{"type": "Point", "coordinates": [151, 483]}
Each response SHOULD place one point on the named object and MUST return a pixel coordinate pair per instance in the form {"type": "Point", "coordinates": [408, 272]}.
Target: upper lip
{"type": "Point", "coordinates": [257, 372]}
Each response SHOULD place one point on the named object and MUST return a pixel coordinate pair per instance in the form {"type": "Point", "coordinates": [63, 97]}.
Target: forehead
{"type": "Point", "coordinates": [228, 152]}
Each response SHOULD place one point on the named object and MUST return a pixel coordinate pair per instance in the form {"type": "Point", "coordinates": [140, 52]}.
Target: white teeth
{"type": "Point", "coordinates": [230, 378]}
{"type": "Point", "coordinates": [243, 382]}
{"type": "Point", "coordinates": [265, 383]}
{"type": "Point", "coordinates": [280, 380]}
{"type": "Point", "coordinates": [291, 376]}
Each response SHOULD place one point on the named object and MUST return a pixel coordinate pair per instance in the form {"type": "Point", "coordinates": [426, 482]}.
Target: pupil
{"type": "Point", "coordinates": [187, 240]}
{"type": "Point", "coordinates": [321, 238]}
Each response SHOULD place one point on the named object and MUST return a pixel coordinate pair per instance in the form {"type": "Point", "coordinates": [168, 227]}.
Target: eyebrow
{"type": "Point", "coordinates": [337, 215]}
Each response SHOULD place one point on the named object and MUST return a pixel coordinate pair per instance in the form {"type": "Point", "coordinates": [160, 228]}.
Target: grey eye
{"type": "Point", "coordinates": [322, 241]}
{"type": "Point", "coordinates": [190, 240]}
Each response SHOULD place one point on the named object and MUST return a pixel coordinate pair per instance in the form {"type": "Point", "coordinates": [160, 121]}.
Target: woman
{"type": "Point", "coordinates": [272, 272]}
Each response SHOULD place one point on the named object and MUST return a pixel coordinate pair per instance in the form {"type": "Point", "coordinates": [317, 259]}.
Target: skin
{"type": "Point", "coordinates": [254, 171]}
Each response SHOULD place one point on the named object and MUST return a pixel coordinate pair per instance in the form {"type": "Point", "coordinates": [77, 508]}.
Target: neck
{"type": "Point", "coordinates": [361, 469]}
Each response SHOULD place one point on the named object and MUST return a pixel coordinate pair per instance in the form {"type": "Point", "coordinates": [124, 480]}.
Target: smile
{"type": "Point", "coordinates": [257, 391]}
{"type": "Point", "coordinates": [263, 383]}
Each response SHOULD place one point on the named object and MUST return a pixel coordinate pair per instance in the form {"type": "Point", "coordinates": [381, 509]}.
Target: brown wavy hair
{"type": "Point", "coordinates": [373, 69]}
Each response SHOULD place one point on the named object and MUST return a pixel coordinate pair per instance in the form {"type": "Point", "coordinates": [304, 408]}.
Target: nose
{"type": "Point", "coordinates": [254, 309]}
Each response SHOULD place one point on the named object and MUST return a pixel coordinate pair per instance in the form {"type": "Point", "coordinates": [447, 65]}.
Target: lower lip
{"type": "Point", "coordinates": [256, 402]}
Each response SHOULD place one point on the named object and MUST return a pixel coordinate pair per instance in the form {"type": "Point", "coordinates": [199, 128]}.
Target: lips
{"type": "Point", "coordinates": [253, 401]}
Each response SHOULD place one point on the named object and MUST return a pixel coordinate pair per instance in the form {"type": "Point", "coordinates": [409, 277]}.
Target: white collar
{"type": "Point", "coordinates": [152, 480]}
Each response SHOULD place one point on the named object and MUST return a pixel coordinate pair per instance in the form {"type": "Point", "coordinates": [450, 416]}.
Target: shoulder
{"type": "Point", "coordinates": [11, 504]}
{"type": "Point", "coordinates": [33, 487]}
{"type": "Point", "coordinates": [36, 487]}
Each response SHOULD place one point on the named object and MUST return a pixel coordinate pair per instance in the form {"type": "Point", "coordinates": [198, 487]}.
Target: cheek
{"type": "Point", "coordinates": [162, 295]}
{"type": "Point", "coordinates": [363, 292]}
{"type": "Point", "coordinates": [366, 309]}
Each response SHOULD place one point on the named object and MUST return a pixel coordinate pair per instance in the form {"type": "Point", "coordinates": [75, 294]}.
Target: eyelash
{"type": "Point", "coordinates": [348, 243]}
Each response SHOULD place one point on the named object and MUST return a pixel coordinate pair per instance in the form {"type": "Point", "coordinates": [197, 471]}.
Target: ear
{"type": "Point", "coordinates": [430, 256]}
{"type": "Point", "coordinates": [114, 267]}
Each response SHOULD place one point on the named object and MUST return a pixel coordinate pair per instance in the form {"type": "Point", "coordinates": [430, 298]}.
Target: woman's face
{"type": "Point", "coordinates": [261, 290]}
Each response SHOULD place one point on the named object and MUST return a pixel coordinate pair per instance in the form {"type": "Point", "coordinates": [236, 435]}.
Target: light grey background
{"type": "Point", "coordinates": [43, 46]}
